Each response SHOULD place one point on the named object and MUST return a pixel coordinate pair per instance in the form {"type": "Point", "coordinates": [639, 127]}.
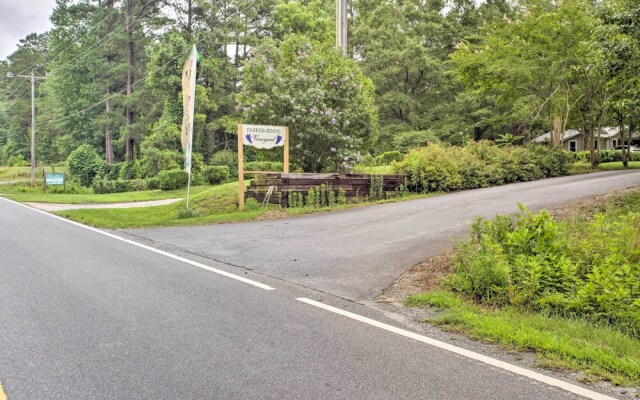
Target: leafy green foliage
{"type": "Point", "coordinates": [173, 179]}
{"type": "Point", "coordinates": [104, 186]}
{"type": "Point", "coordinates": [215, 174]}
{"type": "Point", "coordinates": [83, 164]}
{"type": "Point", "coordinates": [589, 269]}
{"type": "Point", "coordinates": [325, 99]}
{"type": "Point", "coordinates": [480, 164]}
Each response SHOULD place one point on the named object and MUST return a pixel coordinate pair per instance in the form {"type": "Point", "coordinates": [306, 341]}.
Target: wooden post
{"type": "Point", "coordinates": [44, 181]}
{"type": "Point", "coordinates": [286, 150]}
{"type": "Point", "coordinates": [240, 169]}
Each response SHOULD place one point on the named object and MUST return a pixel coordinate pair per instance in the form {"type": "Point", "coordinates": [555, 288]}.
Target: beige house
{"type": "Point", "coordinates": [574, 140]}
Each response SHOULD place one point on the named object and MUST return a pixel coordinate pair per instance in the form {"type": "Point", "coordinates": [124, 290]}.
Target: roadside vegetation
{"type": "Point", "coordinates": [23, 173]}
{"type": "Point", "coordinates": [568, 289]}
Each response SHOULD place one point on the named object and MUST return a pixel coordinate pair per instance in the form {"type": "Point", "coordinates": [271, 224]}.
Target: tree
{"type": "Point", "coordinates": [620, 43]}
{"type": "Point", "coordinates": [526, 65]}
{"type": "Point", "coordinates": [323, 97]}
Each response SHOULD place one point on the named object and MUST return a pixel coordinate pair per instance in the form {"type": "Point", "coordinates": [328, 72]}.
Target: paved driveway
{"type": "Point", "coordinates": [357, 253]}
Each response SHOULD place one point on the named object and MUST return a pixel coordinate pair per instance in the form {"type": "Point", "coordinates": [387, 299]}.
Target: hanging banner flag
{"type": "Point", "coordinates": [188, 105]}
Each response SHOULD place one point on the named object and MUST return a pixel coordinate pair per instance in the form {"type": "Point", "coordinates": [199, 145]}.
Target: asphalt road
{"type": "Point", "coordinates": [87, 316]}
{"type": "Point", "coordinates": [355, 254]}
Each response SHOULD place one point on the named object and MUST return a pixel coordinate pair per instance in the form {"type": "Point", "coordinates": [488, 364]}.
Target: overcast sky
{"type": "Point", "coordinates": [18, 18]}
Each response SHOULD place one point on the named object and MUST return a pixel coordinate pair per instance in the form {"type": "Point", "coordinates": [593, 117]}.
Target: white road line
{"type": "Point", "coordinates": [590, 394]}
{"type": "Point", "coordinates": [164, 253]}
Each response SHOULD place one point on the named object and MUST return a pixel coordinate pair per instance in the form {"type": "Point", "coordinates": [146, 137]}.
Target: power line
{"type": "Point", "coordinates": [105, 40]}
{"type": "Point", "coordinates": [141, 79]}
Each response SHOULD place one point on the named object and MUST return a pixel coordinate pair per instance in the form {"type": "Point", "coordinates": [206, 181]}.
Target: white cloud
{"type": "Point", "coordinates": [18, 18]}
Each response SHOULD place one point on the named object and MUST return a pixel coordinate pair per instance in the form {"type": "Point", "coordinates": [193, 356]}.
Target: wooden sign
{"type": "Point", "coordinates": [260, 137]}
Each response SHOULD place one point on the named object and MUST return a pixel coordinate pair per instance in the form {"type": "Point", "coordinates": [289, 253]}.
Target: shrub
{"type": "Point", "coordinates": [215, 174]}
{"type": "Point", "coordinates": [153, 183]}
{"type": "Point", "coordinates": [387, 157]}
{"type": "Point", "coordinates": [263, 166]}
{"type": "Point", "coordinates": [480, 164]}
{"type": "Point", "coordinates": [129, 170]}
{"type": "Point", "coordinates": [228, 158]}
{"type": "Point", "coordinates": [104, 186]}
{"type": "Point", "coordinates": [17, 161]}
{"type": "Point", "coordinates": [173, 179]}
{"type": "Point", "coordinates": [184, 212]}
{"type": "Point", "coordinates": [111, 171]}
{"type": "Point", "coordinates": [84, 164]}
{"type": "Point", "coordinates": [553, 161]}
{"type": "Point", "coordinates": [588, 269]}
{"type": "Point", "coordinates": [405, 141]}
{"type": "Point", "coordinates": [431, 169]}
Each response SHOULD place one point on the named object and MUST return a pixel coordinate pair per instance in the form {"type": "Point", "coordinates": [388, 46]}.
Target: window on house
{"type": "Point", "coordinates": [615, 143]}
{"type": "Point", "coordinates": [573, 146]}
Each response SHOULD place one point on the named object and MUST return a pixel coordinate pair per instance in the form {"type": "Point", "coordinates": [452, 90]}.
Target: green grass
{"type": "Point", "coordinates": [599, 351]}
{"type": "Point", "coordinates": [24, 173]}
{"type": "Point", "coordinates": [90, 198]}
{"type": "Point", "coordinates": [585, 168]}
{"type": "Point", "coordinates": [215, 204]}
{"type": "Point", "coordinates": [616, 166]}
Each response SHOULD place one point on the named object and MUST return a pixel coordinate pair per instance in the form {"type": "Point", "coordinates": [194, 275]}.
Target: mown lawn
{"type": "Point", "coordinates": [585, 168]}
{"type": "Point", "coordinates": [24, 173]}
{"type": "Point", "coordinates": [215, 204]}
{"type": "Point", "coordinates": [37, 196]}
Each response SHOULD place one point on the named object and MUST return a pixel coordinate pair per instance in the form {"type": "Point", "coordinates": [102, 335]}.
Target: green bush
{"type": "Point", "coordinates": [153, 183]}
{"type": "Point", "coordinates": [606, 156]}
{"type": "Point", "coordinates": [129, 170]}
{"type": "Point", "coordinates": [228, 158]}
{"type": "Point", "coordinates": [112, 171]}
{"type": "Point", "coordinates": [17, 161]}
{"type": "Point", "coordinates": [387, 158]}
{"type": "Point", "coordinates": [104, 186]}
{"type": "Point", "coordinates": [173, 179]}
{"type": "Point", "coordinates": [263, 166]}
{"type": "Point", "coordinates": [480, 164]}
{"type": "Point", "coordinates": [405, 141]}
{"type": "Point", "coordinates": [83, 164]}
{"type": "Point", "coordinates": [588, 269]}
{"type": "Point", "coordinates": [431, 169]}
{"type": "Point", "coordinates": [215, 174]}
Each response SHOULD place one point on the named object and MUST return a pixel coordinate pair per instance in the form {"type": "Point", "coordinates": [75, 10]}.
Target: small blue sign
{"type": "Point", "coordinates": [54, 179]}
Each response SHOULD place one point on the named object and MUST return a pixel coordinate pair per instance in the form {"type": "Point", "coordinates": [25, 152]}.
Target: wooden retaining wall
{"type": "Point", "coordinates": [356, 186]}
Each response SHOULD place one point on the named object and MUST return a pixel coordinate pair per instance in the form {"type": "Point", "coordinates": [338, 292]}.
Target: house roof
{"type": "Point", "coordinates": [568, 134]}
{"type": "Point", "coordinates": [607, 133]}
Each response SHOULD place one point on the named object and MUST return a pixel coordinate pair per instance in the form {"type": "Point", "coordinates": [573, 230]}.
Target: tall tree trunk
{"type": "Point", "coordinates": [131, 65]}
{"type": "Point", "coordinates": [556, 134]}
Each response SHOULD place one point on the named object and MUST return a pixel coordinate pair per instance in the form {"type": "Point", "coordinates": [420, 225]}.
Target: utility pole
{"type": "Point", "coordinates": [33, 124]}
{"type": "Point", "coordinates": [341, 26]}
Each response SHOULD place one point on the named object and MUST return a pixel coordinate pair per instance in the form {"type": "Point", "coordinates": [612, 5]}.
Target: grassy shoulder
{"type": "Point", "coordinates": [213, 204]}
{"type": "Point", "coordinates": [210, 205]}
{"type": "Point", "coordinates": [565, 288]}
{"type": "Point", "coordinates": [36, 196]}
{"type": "Point", "coordinates": [600, 351]}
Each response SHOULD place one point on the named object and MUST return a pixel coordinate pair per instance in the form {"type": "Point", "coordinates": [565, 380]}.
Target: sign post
{"type": "Point", "coordinates": [260, 137]}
